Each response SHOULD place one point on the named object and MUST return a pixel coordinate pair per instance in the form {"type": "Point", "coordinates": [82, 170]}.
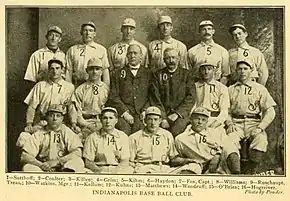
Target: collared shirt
{"type": "Point", "coordinates": [117, 54]}
{"type": "Point", "coordinates": [214, 52]}
{"type": "Point", "coordinates": [147, 148]}
{"type": "Point", "coordinates": [37, 68]}
{"type": "Point", "coordinates": [249, 53]}
{"type": "Point", "coordinates": [46, 93]}
{"type": "Point", "coordinates": [48, 145]}
{"type": "Point", "coordinates": [107, 149]}
{"type": "Point", "coordinates": [156, 50]}
{"type": "Point", "coordinates": [249, 98]}
{"type": "Point", "coordinates": [200, 146]}
{"type": "Point", "coordinates": [91, 98]}
{"type": "Point", "coordinates": [134, 69]}
{"type": "Point", "coordinates": [214, 97]}
{"type": "Point", "coordinates": [78, 56]}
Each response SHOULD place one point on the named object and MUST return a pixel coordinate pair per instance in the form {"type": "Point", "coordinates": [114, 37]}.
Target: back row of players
{"type": "Point", "coordinates": [161, 79]}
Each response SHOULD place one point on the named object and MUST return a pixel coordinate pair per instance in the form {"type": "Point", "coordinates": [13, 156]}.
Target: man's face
{"type": "Point", "coordinates": [171, 59]}
{"type": "Point", "coordinates": [206, 32]}
{"type": "Point", "coordinates": [239, 36]}
{"type": "Point", "coordinates": [128, 32]}
{"type": "Point", "coordinates": [55, 71]}
{"type": "Point", "coordinates": [53, 38]}
{"type": "Point", "coordinates": [108, 120]}
{"type": "Point", "coordinates": [206, 72]}
{"type": "Point", "coordinates": [152, 122]}
{"type": "Point", "coordinates": [165, 29]}
{"type": "Point", "coordinates": [95, 73]}
{"type": "Point", "coordinates": [199, 122]}
{"type": "Point", "coordinates": [134, 55]}
{"type": "Point", "coordinates": [88, 33]}
{"type": "Point", "coordinates": [54, 120]}
{"type": "Point", "coordinates": [244, 71]}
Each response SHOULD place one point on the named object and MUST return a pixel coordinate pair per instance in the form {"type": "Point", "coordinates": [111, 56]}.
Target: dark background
{"type": "Point", "coordinates": [26, 29]}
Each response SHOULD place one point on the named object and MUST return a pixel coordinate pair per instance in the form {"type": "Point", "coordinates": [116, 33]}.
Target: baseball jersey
{"type": "Point", "coordinates": [247, 52]}
{"type": "Point", "coordinates": [91, 98]}
{"type": "Point", "coordinates": [48, 145]}
{"type": "Point", "coordinates": [156, 50]}
{"type": "Point", "coordinates": [201, 146]}
{"type": "Point", "coordinates": [173, 92]}
{"type": "Point", "coordinates": [250, 98]}
{"type": "Point", "coordinates": [37, 69]}
{"type": "Point", "coordinates": [107, 149]}
{"type": "Point", "coordinates": [117, 54]}
{"type": "Point", "coordinates": [214, 52]}
{"type": "Point", "coordinates": [213, 96]}
{"type": "Point", "coordinates": [147, 148]}
{"type": "Point", "coordinates": [46, 93]}
{"type": "Point", "coordinates": [78, 56]}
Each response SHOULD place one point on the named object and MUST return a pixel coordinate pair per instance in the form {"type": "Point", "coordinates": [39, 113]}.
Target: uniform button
{"type": "Point", "coordinates": [134, 97]}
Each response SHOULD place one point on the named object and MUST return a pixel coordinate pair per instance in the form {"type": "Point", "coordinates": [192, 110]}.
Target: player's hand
{"type": "Point", "coordinates": [214, 162]}
{"type": "Point", "coordinates": [45, 167]}
{"type": "Point", "coordinates": [173, 117]}
{"type": "Point", "coordinates": [257, 130]}
{"type": "Point", "coordinates": [75, 128]}
{"type": "Point", "coordinates": [231, 128]}
{"type": "Point", "coordinates": [29, 128]}
{"type": "Point", "coordinates": [214, 124]}
{"type": "Point", "coordinates": [53, 163]}
{"type": "Point", "coordinates": [164, 124]}
{"type": "Point", "coordinates": [189, 160]}
{"type": "Point", "coordinates": [128, 117]}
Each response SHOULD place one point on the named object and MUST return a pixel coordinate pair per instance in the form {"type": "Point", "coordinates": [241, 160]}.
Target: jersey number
{"type": "Point", "coordinates": [56, 138]}
{"type": "Point", "coordinates": [211, 88]}
{"type": "Point", "coordinates": [95, 90]}
{"type": "Point", "coordinates": [120, 51]}
{"type": "Point", "coordinates": [111, 141]}
{"type": "Point", "coordinates": [245, 53]}
{"type": "Point", "coordinates": [60, 86]}
{"type": "Point", "coordinates": [248, 91]}
{"type": "Point", "coordinates": [208, 50]}
{"type": "Point", "coordinates": [156, 140]}
{"type": "Point", "coordinates": [157, 47]}
{"type": "Point", "coordinates": [202, 138]}
{"type": "Point", "coordinates": [82, 52]}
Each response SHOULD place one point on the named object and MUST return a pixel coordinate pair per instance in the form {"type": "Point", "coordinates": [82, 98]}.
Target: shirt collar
{"type": "Point", "coordinates": [114, 133]}
{"type": "Point", "coordinates": [212, 43]}
{"type": "Point", "coordinates": [202, 83]}
{"type": "Point", "coordinates": [249, 83]}
{"type": "Point", "coordinates": [60, 82]}
{"type": "Point", "coordinates": [245, 46]}
{"type": "Point", "coordinates": [134, 67]}
{"type": "Point", "coordinates": [48, 50]}
{"type": "Point", "coordinates": [168, 41]}
{"type": "Point", "coordinates": [149, 135]}
{"type": "Point", "coordinates": [90, 84]}
{"type": "Point", "coordinates": [192, 132]}
{"type": "Point", "coordinates": [93, 45]}
{"type": "Point", "coordinates": [48, 131]}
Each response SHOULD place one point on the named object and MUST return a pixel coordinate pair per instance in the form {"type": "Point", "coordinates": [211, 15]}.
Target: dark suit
{"type": "Point", "coordinates": [130, 93]}
{"type": "Point", "coordinates": [174, 93]}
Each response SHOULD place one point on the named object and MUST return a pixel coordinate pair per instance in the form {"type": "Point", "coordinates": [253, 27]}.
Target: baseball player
{"type": "Point", "coordinates": [208, 49]}
{"type": "Point", "coordinates": [130, 90]}
{"type": "Point", "coordinates": [152, 148]}
{"type": "Point", "coordinates": [54, 147]}
{"type": "Point", "coordinates": [37, 69]}
{"type": "Point", "coordinates": [157, 47]}
{"type": "Point", "coordinates": [251, 112]}
{"type": "Point", "coordinates": [244, 51]}
{"type": "Point", "coordinates": [212, 95]}
{"type": "Point", "coordinates": [206, 147]}
{"type": "Point", "coordinates": [107, 151]}
{"type": "Point", "coordinates": [89, 98]}
{"type": "Point", "coordinates": [117, 53]}
{"type": "Point", "coordinates": [173, 90]}
{"type": "Point", "coordinates": [78, 56]}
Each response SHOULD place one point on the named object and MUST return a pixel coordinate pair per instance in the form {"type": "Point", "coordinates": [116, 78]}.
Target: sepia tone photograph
{"type": "Point", "coordinates": [145, 90]}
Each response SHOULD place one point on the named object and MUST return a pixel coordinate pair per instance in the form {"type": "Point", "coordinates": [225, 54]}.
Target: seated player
{"type": "Point", "coordinates": [89, 98]}
{"type": "Point", "coordinates": [53, 148]}
{"type": "Point", "coordinates": [205, 147]}
{"type": "Point", "coordinates": [251, 112]}
{"type": "Point", "coordinates": [107, 151]}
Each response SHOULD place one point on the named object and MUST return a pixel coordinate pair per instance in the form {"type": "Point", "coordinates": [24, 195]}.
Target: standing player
{"type": "Point", "coordinates": [89, 98]}
{"type": "Point", "coordinates": [37, 69]}
{"type": "Point", "coordinates": [107, 151]}
{"type": "Point", "coordinates": [78, 56]}
{"type": "Point", "coordinates": [244, 51]}
{"type": "Point", "coordinates": [204, 146]}
{"type": "Point", "coordinates": [117, 53]}
{"type": "Point", "coordinates": [157, 47]}
{"type": "Point", "coordinates": [173, 90]}
{"type": "Point", "coordinates": [208, 49]}
{"type": "Point", "coordinates": [252, 111]}
{"type": "Point", "coordinates": [53, 148]}
{"type": "Point", "coordinates": [130, 90]}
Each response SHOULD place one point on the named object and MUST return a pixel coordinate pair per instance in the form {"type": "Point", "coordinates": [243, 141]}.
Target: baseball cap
{"type": "Point", "coordinates": [111, 109]}
{"type": "Point", "coordinates": [208, 62]}
{"type": "Point", "coordinates": [96, 62]}
{"type": "Point", "coordinates": [237, 26]}
{"type": "Point", "coordinates": [163, 19]}
{"type": "Point", "coordinates": [153, 110]}
{"type": "Point", "coordinates": [202, 111]}
{"type": "Point", "coordinates": [205, 22]}
{"type": "Point", "coordinates": [55, 28]}
{"type": "Point", "coordinates": [129, 22]}
{"type": "Point", "coordinates": [57, 108]}
{"type": "Point", "coordinates": [245, 61]}
{"type": "Point", "coordinates": [88, 23]}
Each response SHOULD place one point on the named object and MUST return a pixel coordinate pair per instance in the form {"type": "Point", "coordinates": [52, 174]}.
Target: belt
{"type": "Point", "coordinates": [106, 165]}
{"type": "Point", "coordinates": [214, 114]}
{"type": "Point", "coordinates": [247, 116]}
{"type": "Point", "coordinates": [90, 116]}
{"type": "Point", "coordinates": [154, 163]}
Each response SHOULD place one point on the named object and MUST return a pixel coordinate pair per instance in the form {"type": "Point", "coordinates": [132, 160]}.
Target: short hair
{"type": "Point", "coordinates": [135, 45]}
{"type": "Point", "coordinates": [170, 49]}
{"type": "Point", "coordinates": [50, 62]}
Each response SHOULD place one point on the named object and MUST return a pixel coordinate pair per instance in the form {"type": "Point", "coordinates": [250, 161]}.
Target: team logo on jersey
{"type": "Point", "coordinates": [123, 74]}
{"type": "Point", "coordinates": [215, 106]}
{"type": "Point", "coordinates": [60, 153]}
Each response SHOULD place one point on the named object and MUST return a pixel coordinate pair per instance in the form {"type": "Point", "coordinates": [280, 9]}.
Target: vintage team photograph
{"type": "Point", "coordinates": [145, 90]}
